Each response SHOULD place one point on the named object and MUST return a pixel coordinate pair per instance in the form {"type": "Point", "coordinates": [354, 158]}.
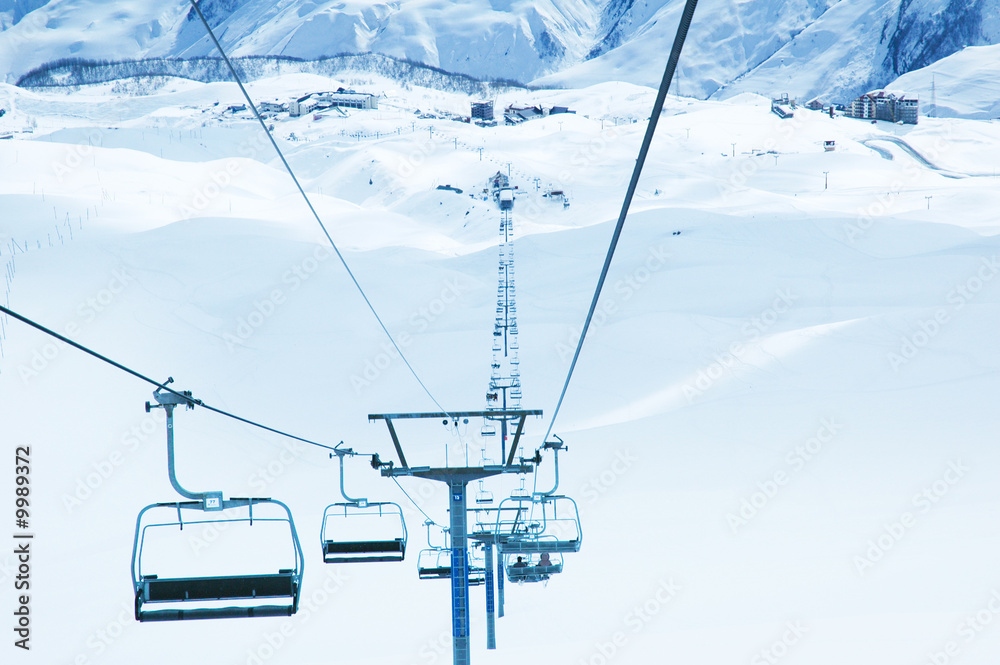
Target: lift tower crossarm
{"type": "Point", "coordinates": [519, 414]}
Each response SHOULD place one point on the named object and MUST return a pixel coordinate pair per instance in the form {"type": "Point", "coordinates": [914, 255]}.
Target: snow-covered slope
{"type": "Point", "coordinates": [782, 430]}
{"type": "Point", "coordinates": [964, 85]}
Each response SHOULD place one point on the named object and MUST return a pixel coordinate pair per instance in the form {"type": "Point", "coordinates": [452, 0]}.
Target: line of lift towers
{"type": "Point", "coordinates": [527, 533]}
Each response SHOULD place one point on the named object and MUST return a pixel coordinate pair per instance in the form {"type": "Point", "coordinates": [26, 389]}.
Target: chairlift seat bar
{"type": "Point", "coordinates": [374, 558]}
{"type": "Point", "coordinates": [216, 613]}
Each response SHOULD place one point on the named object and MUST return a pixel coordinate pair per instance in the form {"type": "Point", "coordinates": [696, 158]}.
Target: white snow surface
{"type": "Point", "coordinates": [779, 431]}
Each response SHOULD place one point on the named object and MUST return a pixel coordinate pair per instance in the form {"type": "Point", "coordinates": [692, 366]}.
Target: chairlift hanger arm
{"type": "Point", "coordinates": [341, 454]}
{"type": "Point", "coordinates": [167, 402]}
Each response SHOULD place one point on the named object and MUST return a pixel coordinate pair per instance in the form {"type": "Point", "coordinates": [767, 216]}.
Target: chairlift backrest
{"type": "Point", "coordinates": [533, 524]}
{"type": "Point", "coordinates": [363, 533]}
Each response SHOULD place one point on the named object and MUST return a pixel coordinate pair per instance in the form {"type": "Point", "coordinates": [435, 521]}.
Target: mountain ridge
{"type": "Point", "coordinates": [832, 49]}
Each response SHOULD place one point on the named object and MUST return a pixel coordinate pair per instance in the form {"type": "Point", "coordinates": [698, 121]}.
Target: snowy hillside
{"type": "Point", "coordinates": [964, 85]}
{"type": "Point", "coordinates": [808, 48]}
{"type": "Point", "coordinates": [782, 431]}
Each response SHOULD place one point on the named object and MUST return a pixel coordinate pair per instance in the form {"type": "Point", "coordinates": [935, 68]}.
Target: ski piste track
{"type": "Point", "coordinates": [915, 154]}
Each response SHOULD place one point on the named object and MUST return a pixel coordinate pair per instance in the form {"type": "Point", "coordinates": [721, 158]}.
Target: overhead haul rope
{"type": "Point", "coordinates": [305, 197]}
{"type": "Point", "coordinates": [654, 117]}
{"type": "Point", "coordinates": [161, 386]}
{"type": "Point", "coordinates": [415, 504]}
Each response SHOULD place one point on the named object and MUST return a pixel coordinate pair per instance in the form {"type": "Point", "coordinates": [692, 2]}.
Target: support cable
{"type": "Point", "coordinates": [654, 117]}
{"type": "Point", "coordinates": [161, 386]}
{"type": "Point", "coordinates": [415, 504]}
{"type": "Point", "coordinates": [305, 197]}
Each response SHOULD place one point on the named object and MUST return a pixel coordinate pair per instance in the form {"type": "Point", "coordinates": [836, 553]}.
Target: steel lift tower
{"type": "Point", "coordinates": [505, 376]}
{"type": "Point", "coordinates": [457, 479]}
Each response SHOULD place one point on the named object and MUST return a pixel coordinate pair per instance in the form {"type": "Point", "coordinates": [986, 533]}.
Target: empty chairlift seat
{"type": "Point", "coordinates": [539, 523]}
{"type": "Point", "coordinates": [435, 564]}
{"type": "Point", "coordinates": [188, 563]}
{"type": "Point", "coordinates": [359, 533]}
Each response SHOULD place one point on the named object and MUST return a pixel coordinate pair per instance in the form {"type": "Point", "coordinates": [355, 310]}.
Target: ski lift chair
{"type": "Point", "coordinates": [357, 531]}
{"type": "Point", "coordinates": [483, 496]}
{"type": "Point", "coordinates": [434, 564]}
{"type": "Point", "coordinates": [196, 587]}
{"type": "Point", "coordinates": [182, 595]}
{"type": "Point", "coordinates": [541, 523]}
{"type": "Point", "coordinates": [532, 568]}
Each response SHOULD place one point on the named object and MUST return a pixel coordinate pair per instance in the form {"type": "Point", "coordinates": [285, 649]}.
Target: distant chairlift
{"type": "Point", "coordinates": [483, 496]}
{"type": "Point", "coordinates": [541, 522]}
{"type": "Point", "coordinates": [434, 563]}
{"type": "Point", "coordinates": [359, 531]}
{"type": "Point", "coordinates": [179, 586]}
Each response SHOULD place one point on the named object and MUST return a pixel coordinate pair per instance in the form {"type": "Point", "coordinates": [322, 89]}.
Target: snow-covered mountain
{"type": "Point", "coordinates": [833, 49]}
{"type": "Point", "coordinates": [839, 48]}
{"type": "Point", "coordinates": [512, 39]}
